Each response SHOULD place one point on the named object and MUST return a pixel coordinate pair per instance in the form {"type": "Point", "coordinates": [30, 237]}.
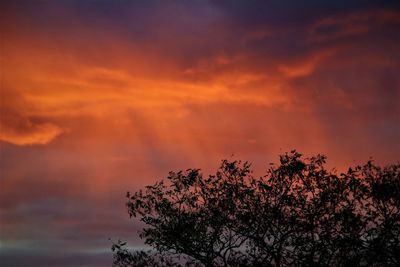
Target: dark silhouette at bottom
{"type": "Point", "coordinates": [298, 214]}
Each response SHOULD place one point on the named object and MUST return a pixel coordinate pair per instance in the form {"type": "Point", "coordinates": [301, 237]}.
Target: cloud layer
{"type": "Point", "coordinates": [101, 97]}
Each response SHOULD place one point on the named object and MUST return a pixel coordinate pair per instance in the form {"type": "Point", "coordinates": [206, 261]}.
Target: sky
{"type": "Point", "coordinates": [103, 97]}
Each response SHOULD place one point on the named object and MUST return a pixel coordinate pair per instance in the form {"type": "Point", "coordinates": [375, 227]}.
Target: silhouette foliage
{"type": "Point", "coordinates": [298, 214]}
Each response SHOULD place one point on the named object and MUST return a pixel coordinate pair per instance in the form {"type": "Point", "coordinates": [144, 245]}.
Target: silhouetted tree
{"type": "Point", "coordinates": [298, 214]}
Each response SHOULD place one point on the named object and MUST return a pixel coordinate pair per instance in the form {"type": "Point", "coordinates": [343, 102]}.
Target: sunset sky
{"type": "Point", "coordinates": [101, 97]}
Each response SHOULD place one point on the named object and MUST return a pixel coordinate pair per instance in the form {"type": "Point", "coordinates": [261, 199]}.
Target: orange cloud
{"type": "Point", "coordinates": [33, 134]}
{"type": "Point", "coordinates": [60, 86]}
{"type": "Point", "coordinates": [306, 66]}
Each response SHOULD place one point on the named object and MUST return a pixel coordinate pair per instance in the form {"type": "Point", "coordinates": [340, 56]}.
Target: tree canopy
{"type": "Point", "coordinates": [297, 214]}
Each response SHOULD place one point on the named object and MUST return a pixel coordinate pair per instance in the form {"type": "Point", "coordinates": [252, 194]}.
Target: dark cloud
{"type": "Point", "coordinates": [280, 13]}
{"type": "Point", "coordinates": [34, 258]}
